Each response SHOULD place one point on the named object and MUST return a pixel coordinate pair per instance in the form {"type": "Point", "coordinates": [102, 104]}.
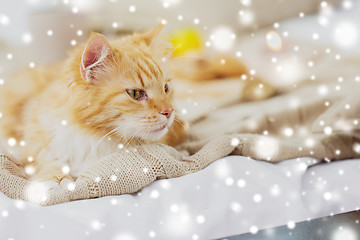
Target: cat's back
{"type": "Point", "coordinates": [17, 91]}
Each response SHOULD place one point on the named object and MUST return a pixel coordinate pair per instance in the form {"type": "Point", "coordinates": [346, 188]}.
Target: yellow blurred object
{"type": "Point", "coordinates": [186, 40]}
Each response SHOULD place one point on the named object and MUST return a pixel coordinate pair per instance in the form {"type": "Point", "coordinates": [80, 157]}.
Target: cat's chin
{"type": "Point", "coordinates": [143, 133]}
{"type": "Point", "coordinates": [156, 134]}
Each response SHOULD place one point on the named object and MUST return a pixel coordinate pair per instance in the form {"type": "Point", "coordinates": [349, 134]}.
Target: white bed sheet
{"type": "Point", "coordinates": [231, 196]}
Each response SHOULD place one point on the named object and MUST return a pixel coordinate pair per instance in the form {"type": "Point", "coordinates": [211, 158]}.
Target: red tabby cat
{"type": "Point", "coordinates": [64, 115]}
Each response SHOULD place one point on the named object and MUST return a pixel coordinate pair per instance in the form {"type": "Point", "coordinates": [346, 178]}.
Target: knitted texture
{"type": "Point", "coordinates": [236, 129]}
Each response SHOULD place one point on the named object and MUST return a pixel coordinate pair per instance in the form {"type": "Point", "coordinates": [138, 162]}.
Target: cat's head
{"type": "Point", "coordinates": [123, 86]}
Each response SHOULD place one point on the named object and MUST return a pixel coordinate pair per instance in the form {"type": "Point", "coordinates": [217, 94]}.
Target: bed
{"type": "Point", "coordinates": [233, 195]}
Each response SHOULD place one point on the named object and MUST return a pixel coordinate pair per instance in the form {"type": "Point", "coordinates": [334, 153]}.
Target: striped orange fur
{"type": "Point", "coordinates": [67, 113]}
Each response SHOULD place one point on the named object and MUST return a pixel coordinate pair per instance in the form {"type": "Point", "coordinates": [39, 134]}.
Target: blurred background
{"type": "Point", "coordinates": [40, 31]}
{"type": "Point", "coordinates": [282, 42]}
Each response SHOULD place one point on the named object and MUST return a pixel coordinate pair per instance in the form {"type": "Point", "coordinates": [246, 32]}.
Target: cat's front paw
{"type": "Point", "coordinates": [39, 192]}
{"type": "Point", "coordinates": [64, 182]}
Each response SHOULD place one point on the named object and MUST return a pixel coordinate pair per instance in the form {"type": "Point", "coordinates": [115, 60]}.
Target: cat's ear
{"type": "Point", "coordinates": [95, 52]}
{"type": "Point", "coordinates": [160, 48]}
{"type": "Point", "coordinates": [150, 35]}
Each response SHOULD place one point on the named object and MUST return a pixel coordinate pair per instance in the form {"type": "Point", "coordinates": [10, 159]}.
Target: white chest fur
{"type": "Point", "coordinates": [76, 148]}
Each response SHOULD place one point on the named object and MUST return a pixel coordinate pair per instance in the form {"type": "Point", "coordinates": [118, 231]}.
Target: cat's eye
{"type": "Point", "coordinates": [136, 94]}
{"type": "Point", "coordinates": [166, 88]}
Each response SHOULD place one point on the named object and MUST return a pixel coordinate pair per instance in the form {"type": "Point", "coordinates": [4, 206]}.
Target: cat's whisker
{"type": "Point", "coordinates": [110, 133]}
{"type": "Point", "coordinates": [107, 134]}
{"type": "Point", "coordinates": [180, 122]}
{"type": "Point", "coordinates": [147, 132]}
{"type": "Point", "coordinates": [127, 142]}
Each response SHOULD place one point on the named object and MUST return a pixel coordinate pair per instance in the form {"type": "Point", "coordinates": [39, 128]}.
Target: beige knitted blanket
{"type": "Point", "coordinates": [297, 124]}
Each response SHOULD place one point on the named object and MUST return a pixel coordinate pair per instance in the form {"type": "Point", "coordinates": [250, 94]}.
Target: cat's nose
{"type": "Point", "coordinates": [167, 113]}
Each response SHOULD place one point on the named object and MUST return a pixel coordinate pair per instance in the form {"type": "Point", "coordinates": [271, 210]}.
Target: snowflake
{"type": "Point", "coordinates": [113, 178]}
{"type": "Point", "coordinates": [200, 219]}
{"type": "Point", "coordinates": [246, 17]}
{"type": "Point", "coordinates": [327, 130]}
{"type": "Point", "coordinates": [322, 90]}
{"type": "Point", "coordinates": [229, 181]}
{"type": "Point", "coordinates": [174, 208]}
{"type": "Point", "coordinates": [327, 196]}
{"type": "Point", "coordinates": [241, 183]}
{"type": "Point", "coordinates": [235, 207]}
{"type": "Point", "coordinates": [195, 237]}
{"type": "Point", "coordinates": [166, 4]}
{"type": "Point", "coordinates": [4, 20]}
{"type": "Point", "coordinates": [71, 186]}
{"type": "Point", "coordinates": [346, 34]}
{"type": "Point", "coordinates": [315, 36]}
{"type": "Point", "coordinates": [30, 170]}
{"type": "Point", "coordinates": [257, 198]}
{"type": "Point", "coordinates": [11, 142]}
{"type": "Point", "coordinates": [132, 8]}
{"type": "Point", "coordinates": [5, 213]}
{"type": "Point", "coordinates": [65, 169]}
{"type": "Point", "coordinates": [114, 201]}
{"type": "Point", "coordinates": [152, 234]}
{"type": "Point", "coordinates": [291, 225]}
{"type": "Point", "coordinates": [356, 148]}
{"type": "Point", "coordinates": [154, 194]}
{"type": "Point", "coordinates": [27, 38]}
{"type": "Point", "coordinates": [344, 233]}
{"type": "Point", "coordinates": [222, 38]}
{"type": "Point", "coordinates": [96, 225]}
{"type": "Point", "coordinates": [254, 229]}
{"type": "Point", "coordinates": [235, 142]}
{"type": "Point", "coordinates": [19, 204]}
{"type": "Point", "coordinates": [115, 25]}
{"type": "Point", "coordinates": [246, 3]}
{"type": "Point", "coordinates": [288, 132]}
{"type": "Point", "coordinates": [275, 190]}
